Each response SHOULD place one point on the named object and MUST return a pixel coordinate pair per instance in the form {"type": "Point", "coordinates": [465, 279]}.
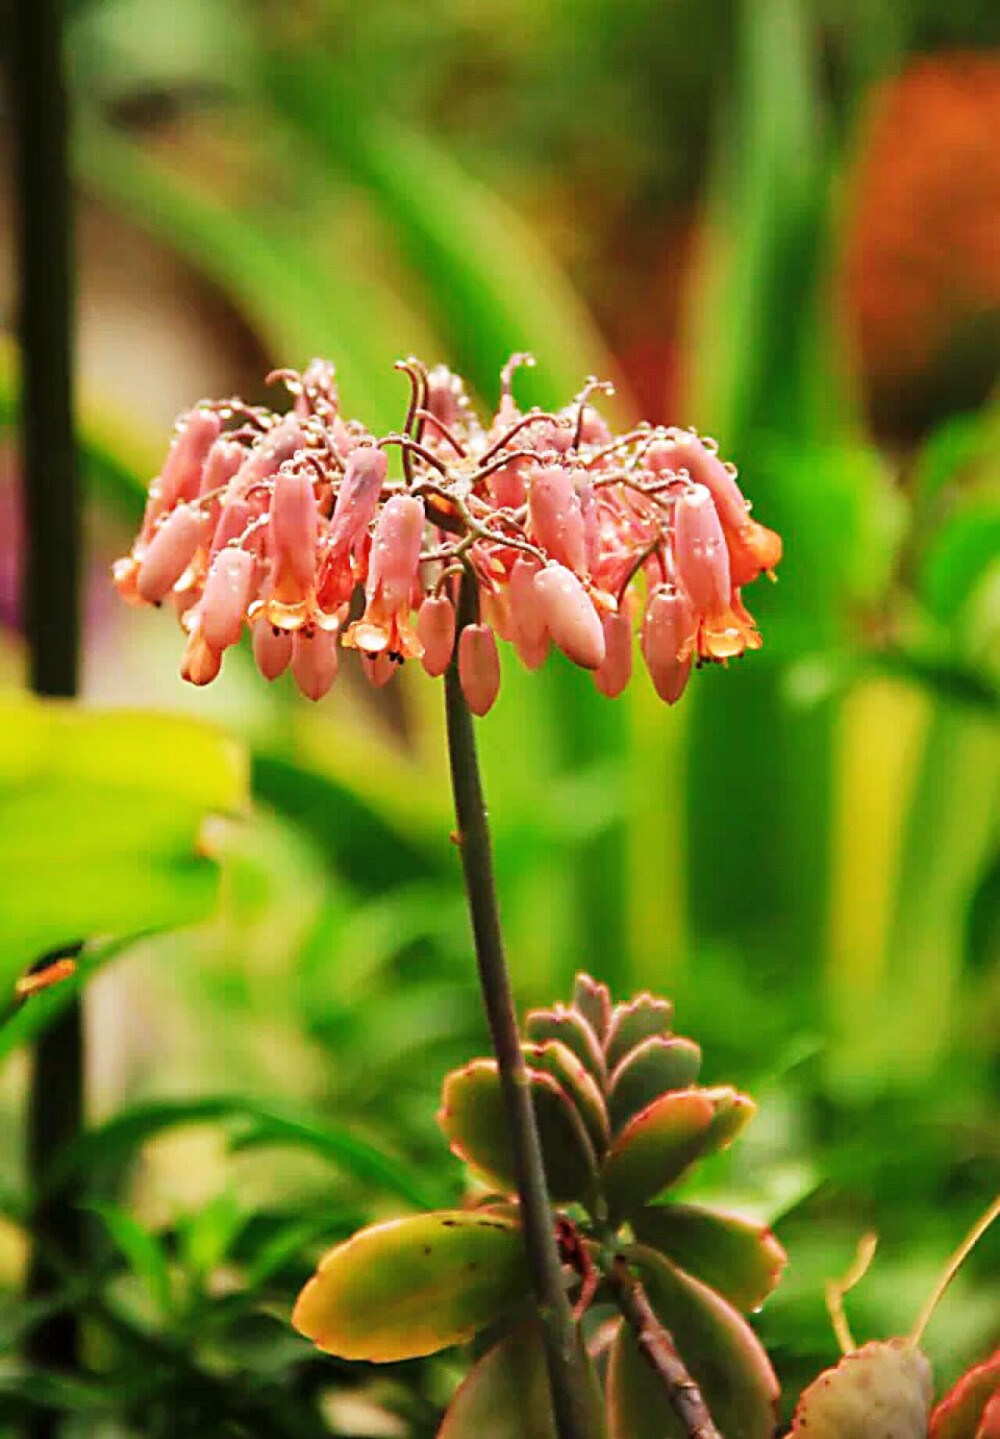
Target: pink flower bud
{"type": "Point", "coordinates": [668, 634]}
{"type": "Point", "coordinates": [700, 551]}
{"type": "Point", "coordinates": [236, 515]}
{"type": "Point", "coordinates": [478, 667]}
{"type": "Point", "coordinates": [272, 648]}
{"type": "Point", "coordinates": [684, 451]}
{"type": "Point", "coordinates": [555, 517]}
{"type": "Point", "coordinates": [294, 531]}
{"type": "Point", "coordinates": [526, 612]}
{"type": "Point", "coordinates": [180, 478]}
{"type": "Point", "coordinates": [228, 591]}
{"type": "Point", "coordinates": [395, 556]}
{"type": "Point", "coordinates": [223, 461]}
{"type": "Point", "coordinates": [533, 652]}
{"type": "Point", "coordinates": [170, 552]}
{"type": "Point", "coordinates": [570, 617]}
{"type": "Point", "coordinates": [614, 673]}
{"type": "Point", "coordinates": [436, 629]}
{"type": "Point", "coordinates": [201, 663]}
{"type": "Point", "coordinates": [379, 669]}
{"type": "Point", "coordinates": [269, 453]}
{"type": "Point", "coordinates": [444, 392]}
{"type": "Point", "coordinates": [358, 496]}
{"type": "Point", "coordinates": [594, 428]}
{"type": "Point", "coordinates": [314, 661]}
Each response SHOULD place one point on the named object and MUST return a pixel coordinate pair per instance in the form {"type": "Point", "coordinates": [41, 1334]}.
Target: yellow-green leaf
{"type": "Point", "coordinates": [413, 1286]}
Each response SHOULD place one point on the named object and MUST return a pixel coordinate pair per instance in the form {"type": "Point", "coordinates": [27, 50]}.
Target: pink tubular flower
{"type": "Point", "coordinates": [275, 517]}
{"type": "Point", "coordinates": [570, 617]}
{"type": "Point", "coordinates": [478, 668]}
{"type": "Point", "coordinates": [272, 648]}
{"type": "Point", "coordinates": [669, 629]}
{"type": "Point", "coordinates": [180, 478]}
{"type": "Point", "coordinates": [293, 537]}
{"type": "Point", "coordinates": [169, 553]}
{"type": "Point", "coordinates": [314, 661]}
{"type": "Point", "coordinates": [615, 670]}
{"type": "Point", "coordinates": [700, 551]}
{"type": "Point", "coordinates": [228, 591]}
{"type": "Point", "coordinates": [555, 517]}
{"type": "Point", "coordinates": [392, 576]}
{"type": "Point", "coordinates": [436, 629]}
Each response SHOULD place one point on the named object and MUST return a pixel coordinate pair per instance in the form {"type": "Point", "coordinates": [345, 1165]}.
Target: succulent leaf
{"type": "Point", "coordinates": [959, 1414]}
{"type": "Point", "coordinates": [989, 1424]}
{"type": "Point", "coordinates": [633, 1022]}
{"type": "Point", "coordinates": [733, 1112]}
{"type": "Point", "coordinates": [473, 1117]}
{"type": "Point", "coordinates": [593, 1000]}
{"type": "Point", "coordinates": [737, 1257]}
{"type": "Point", "coordinates": [881, 1391]}
{"type": "Point", "coordinates": [655, 1148]}
{"type": "Point", "coordinates": [506, 1395]}
{"type": "Point", "coordinates": [721, 1351]}
{"type": "Point", "coordinates": [552, 1057]}
{"type": "Point", "coordinates": [413, 1286]}
{"type": "Point", "coordinates": [571, 1029]}
{"type": "Point", "coordinates": [653, 1067]}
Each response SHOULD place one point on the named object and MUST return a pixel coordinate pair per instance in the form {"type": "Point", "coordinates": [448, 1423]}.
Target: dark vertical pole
{"type": "Point", "coordinates": [39, 111]}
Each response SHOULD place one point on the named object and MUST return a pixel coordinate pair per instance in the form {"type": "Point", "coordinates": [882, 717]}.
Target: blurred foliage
{"type": "Point", "coordinates": [805, 855]}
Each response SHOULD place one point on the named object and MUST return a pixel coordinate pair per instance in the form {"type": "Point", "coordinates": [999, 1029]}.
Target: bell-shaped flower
{"type": "Point", "coordinates": [201, 662]}
{"type": "Point", "coordinates": [700, 550]}
{"type": "Point", "coordinates": [228, 592]}
{"type": "Point", "coordinates": [356, 504]}
{"type": "Point", "coordinates": [292, 542]}
{"type": "Point", "coordinates": [170, 551]}
{"type": "Point", "coordinates": [436, 630]}
{"type": "Point", "coordinates": [392, 578]}
{"type": "Point", "coordinates": [181, 476]}
{"type": "Point", "coordinates": [478, 667]}
{"type": "Point", "coordinates": [570, 616]}
{"type": "Point", "coordinates": [669, 632]}
{"type": "Point", "coordinates": [314, 660]}
{"type": "Point", "coordinates": [615, 670]}
{"type": "Point", "coordinates": [272, 647]}
{"type": "Point", "coordinates": [555, 518]}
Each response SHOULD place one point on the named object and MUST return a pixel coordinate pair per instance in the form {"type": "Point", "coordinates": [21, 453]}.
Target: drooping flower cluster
{"type": "Point", "coordinates": [275, 520]}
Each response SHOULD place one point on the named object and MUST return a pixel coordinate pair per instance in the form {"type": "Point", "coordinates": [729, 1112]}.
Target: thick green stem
{"type": "Point", "coordinates": [51, 615]}
{"type": "Point", "coordinates": [568, 1377]}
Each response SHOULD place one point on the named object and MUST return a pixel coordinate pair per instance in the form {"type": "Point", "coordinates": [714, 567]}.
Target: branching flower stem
{"type": "Point", "coordinates": [568, 1378]}
{"type": "Point", "coordinates": [657, 1347]}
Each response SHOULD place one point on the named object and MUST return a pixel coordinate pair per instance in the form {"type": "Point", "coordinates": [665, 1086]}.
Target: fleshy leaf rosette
{"type": "Point", "coordinates": [274, 520]}
{"type": "Point", "coordinates": [621, 1120]}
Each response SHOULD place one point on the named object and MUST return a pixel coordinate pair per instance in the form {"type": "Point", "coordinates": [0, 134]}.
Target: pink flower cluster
{"type": "Point", "coordinates": [276, 520]}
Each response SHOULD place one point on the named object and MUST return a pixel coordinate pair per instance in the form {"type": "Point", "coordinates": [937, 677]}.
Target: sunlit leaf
{"type": "Point", "coordinates": [413, 1286]}
{"type": "Point", "coordinates": [474, 1118]}
{"type": "Point", "coordinates": [649, 1070]}
{"type": "Point", "coordinates": [633, 1022]}
{"type": "Point", "coordinates": [656, 1148]}
{"type": "Point", "coordinates": [737, 1257]}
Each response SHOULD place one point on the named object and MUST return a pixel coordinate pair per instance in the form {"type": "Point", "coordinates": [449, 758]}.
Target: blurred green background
{"type": "Point", "coordinates": [779, 222]}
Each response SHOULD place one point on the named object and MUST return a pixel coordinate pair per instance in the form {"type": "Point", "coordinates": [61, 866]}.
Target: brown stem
{"type": "Point", "coordinates": [659, 1351]}
{"type": "Point", "coordinates": [568, 1379]}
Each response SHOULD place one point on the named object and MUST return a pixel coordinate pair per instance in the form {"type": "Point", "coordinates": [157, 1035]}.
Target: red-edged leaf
{"type": "Point", "coordinates": [655, 1149]}
{"type": "Point", "coordinates": [571, 1029]}
{"type": "Point", "coordinates": [882, 1391]}
{"type": "Point", "coordinates": [553, 1058]}
{"type": "Point", "coordinates": [989, 1424]}
{"type": "Point", "coordinates": [962, 1408]}
{"type": "Point", "coordinates": [721, 1351]}
{"type": "Point", "coordinates": [473, 1117]}
{"type": "Point", "coordinates": [633, 1022]}
{"type": "Point", "coordinates": [413, 1286]}
{"type": "Point", "coordinates": [738, 1257]}
{"type": "Point", "coordinates": [655, 1066]}
{"type": "Point", "coordinates": [593, 1000]}
{"type": "Point", "coordinates": [506, 1395]}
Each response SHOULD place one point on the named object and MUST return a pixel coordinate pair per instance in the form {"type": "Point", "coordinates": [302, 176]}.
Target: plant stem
{"type": "Point", "coordinates": [568, 1377]}
{"type": "Point", "coordinates": [657, 1346]}
{"type": "Point", "coordinates": [51, 608]}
